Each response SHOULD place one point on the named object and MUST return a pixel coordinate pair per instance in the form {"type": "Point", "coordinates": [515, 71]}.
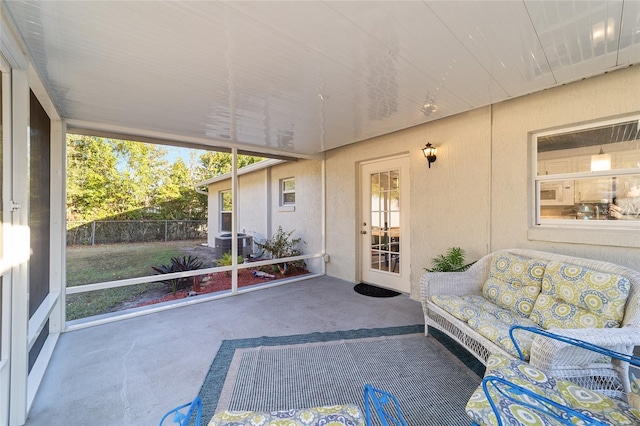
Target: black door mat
{"type": "Point", "coordinates": [373, 291]}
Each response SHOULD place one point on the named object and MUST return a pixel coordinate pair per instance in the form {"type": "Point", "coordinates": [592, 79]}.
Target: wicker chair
{"type": "Point", "coordinates": [545, 354]}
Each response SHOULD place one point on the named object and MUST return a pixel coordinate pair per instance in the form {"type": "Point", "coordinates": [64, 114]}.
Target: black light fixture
{"type": "Point", "coordinates": [429, 152]}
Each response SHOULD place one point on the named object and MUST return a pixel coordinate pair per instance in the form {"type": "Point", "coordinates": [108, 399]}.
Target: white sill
{"type": "Point", "coordinates": [614, 237]}
{"type": "Point", "coordinates": [287, 209]}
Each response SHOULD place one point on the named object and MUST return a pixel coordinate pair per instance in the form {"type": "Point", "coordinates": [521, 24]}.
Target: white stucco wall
{"type": "Point", "coordinates": [476, 195]}
{"type": "Point", "coordinates": [251, 205]}
{"type": "Point", "coordinates": [443, 198]}
{"type": "Point", "coordinates": [259, 211]}
{"type": "Point", "coordinates": [607, 96]}
{"type": "Point", "coordinates": [306, 219]}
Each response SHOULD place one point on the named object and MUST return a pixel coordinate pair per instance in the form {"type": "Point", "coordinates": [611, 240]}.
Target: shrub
{"type": "Point", "coordinates": [179, 264]}
{"type": "Point", "coordinates": [453, 261]}
{"type": "Point", "coordinates": [282, 245]}
{"type": "Point", "coordinates": [227, 260]}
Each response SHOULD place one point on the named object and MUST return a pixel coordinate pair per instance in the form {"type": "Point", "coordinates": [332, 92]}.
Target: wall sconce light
{"type": "Point", "coordinates": [429, 152]}
{"type": "Point", "coordinates": [601, 161]}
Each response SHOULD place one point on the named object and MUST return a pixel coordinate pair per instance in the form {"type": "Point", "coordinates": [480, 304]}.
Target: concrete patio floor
{"type": "Point", "coordinates": [132, 371]}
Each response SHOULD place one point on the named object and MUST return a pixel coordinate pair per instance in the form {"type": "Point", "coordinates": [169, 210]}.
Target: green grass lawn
{"type": "Point", "coordinates": [92, 264]}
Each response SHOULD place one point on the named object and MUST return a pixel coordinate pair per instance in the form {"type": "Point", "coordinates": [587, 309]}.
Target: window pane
{"type": "Point", "coordinates": [289, 185]}
{"type": "Point", "coordinates": [601, 198]}
{"type": "Point", "coordinates": [225, 224]}
{"type": "Point", "coordinates": [627, 201]}
{"type": "Point", "coordinates": [395, 179]}
{"type": "Point", "coordinates": [384, 181]}
{"type": "Point", "coordinates": [227, 204]}
{"type": "Point", "coordinates": [375, 182]}
{"type": "Point", "coordinates": [289, 198]}
{"type": "Point", "coordinates": [610, 147]}
{"type": "Point", "coordinates": [394, 200]}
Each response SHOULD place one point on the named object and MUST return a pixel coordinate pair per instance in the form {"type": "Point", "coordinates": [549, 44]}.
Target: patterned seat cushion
{"type": "Point", "coordinates": [460, 307]}
{"type": "Point", "coordinates": [466, 307]}
{"type": "Point", "coordinates": [577, 297]}
{"type": "Point", "coordinates": [514, 282]}
{"type": "Point", "coordinates": [337, 415]}
{"type": "Point", "coordinates": [600, 407]}
{"type": "Point", "coordinates": [495, 327]}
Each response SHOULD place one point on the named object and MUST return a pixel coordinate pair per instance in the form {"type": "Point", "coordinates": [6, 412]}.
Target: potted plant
{"type": "Point", "coordinates": [452, 261]}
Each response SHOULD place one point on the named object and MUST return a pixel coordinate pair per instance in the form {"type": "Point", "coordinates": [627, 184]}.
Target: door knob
{"type": "Point", "coordinates": [363, 232]}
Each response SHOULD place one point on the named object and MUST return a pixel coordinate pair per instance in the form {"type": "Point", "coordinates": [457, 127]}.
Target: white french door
{"type": "Point", "coordinates": [384, 223]}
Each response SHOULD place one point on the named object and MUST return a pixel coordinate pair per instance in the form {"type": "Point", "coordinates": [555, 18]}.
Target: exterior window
{"type": "Point", "coordinates": [589, 175]}
{"type": "Point", "coordinates": [288, 192]}
{"type": "Point", "coordinates": [226, 206]}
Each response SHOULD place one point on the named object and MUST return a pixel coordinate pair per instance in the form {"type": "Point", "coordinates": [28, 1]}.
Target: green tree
{"type": "Point", "coordinates": [145, 173]}
{"type": "Point", "coordinates": [178, 197]}
{"type": "Point", "coordinates": [132, 180]}
{"type": "Point", "coordinates": [92, 177]}
{"type": "Point", "coordinates": [218, 163]}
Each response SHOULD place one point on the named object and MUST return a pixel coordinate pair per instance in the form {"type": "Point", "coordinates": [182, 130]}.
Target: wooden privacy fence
{"type": "Point", "coordinates": [134, 231]}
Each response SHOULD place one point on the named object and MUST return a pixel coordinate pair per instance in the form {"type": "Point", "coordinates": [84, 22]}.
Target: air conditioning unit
{"type": "Point", "coordinates": [223, 245]}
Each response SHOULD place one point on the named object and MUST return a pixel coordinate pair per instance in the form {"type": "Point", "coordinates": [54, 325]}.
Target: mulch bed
{"type": "Point", "coordinates": [220, 281]}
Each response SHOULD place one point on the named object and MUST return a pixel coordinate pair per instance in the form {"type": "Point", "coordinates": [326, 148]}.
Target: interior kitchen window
{"type": "Point", "coordinates": [589, 175]}
{"type": "Point", "coordinates": [226, 206]}
{"type": "Point", "coordinates": [288, 192]}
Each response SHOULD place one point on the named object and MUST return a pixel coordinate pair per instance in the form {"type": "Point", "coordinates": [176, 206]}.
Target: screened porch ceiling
{"type": "Point", "coordinates": [299, 78]}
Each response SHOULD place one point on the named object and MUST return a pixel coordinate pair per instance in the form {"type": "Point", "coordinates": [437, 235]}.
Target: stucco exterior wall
{"type": "Point", "coordinates": [443, 198]}
{"type": "Point", "coordinates": [606, 96]}
{"type": "Point", "coordinates": [477, 195]}
{"type": "Point", "coordinates": [306, 219]}
{"type": "Point", "coordinates": [251, 205]}
{"type": "Point", "coordinates": [258, 206]}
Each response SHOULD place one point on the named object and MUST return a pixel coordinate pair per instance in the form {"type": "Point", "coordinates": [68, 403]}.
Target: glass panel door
{"type": "Point", "coordinates": [384, 236]}
{"type": "Point", "coordinates": [385, 220]}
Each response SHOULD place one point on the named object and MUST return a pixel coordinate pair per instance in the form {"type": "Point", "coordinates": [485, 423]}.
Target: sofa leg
{"type": "Point", "coordinates": [426, 329]}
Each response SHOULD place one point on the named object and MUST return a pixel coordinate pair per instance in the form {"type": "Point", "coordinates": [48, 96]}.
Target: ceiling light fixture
{"type": "Point", "coordinates": [429, 106]}
{"type": "Point", "coordinates": [601, 161]}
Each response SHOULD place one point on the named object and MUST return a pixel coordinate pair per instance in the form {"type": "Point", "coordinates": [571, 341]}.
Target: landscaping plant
{"type": "Point", "coordinates": [227, 260]}
{"type": "Point", "coordinates": [179, 264]}
{"type": "Point", "coordinates": [452, 261]}
{"type": "Point", "coordinates": [281, 245]}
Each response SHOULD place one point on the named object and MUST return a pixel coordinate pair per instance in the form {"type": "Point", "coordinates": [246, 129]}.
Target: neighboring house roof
{"type": "Point", "coordinates": [242, 171]}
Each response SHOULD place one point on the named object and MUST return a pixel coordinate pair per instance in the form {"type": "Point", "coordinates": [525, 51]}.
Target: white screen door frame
{"type": "Point", "coordinates": [384, 223]}
{"type": "Point", "coordinates": [5, 265]}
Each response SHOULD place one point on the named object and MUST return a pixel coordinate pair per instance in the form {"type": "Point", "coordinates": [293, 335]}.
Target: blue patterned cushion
{"type": "Point", "coordinates": [577, 297]}
{"type": "Point", "coordinates": [495, 327]}
{"type": "Point", "coordinates": [466, 307]}
{"type": "Point", "coordinates": [343, 415]}
{"type": "Point", "coordinates": [514, 282]}
{"type": "Point", "coordinates": [456, 306]}
{"type": "Point", "coordinates": [598, 406]}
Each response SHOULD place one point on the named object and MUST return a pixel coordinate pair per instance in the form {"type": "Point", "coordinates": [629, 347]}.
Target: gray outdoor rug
{"type": "Point", "coordinates": [278, 373]}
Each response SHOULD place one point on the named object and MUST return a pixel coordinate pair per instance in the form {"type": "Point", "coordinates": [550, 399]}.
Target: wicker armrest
{"type": "Point", "coordinates": [457, 283]}
{"type": "Point", "coordinates": [551, 353]}
{"type": "Point", "coordinates": [574, 347]}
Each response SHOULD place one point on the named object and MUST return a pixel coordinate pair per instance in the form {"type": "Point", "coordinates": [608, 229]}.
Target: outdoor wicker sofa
{"type": "Point", "coordinates": [595, 301]}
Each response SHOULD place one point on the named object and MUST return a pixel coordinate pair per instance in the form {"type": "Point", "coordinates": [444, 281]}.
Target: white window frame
{"type": "Point", "coordinates": [221, 208]}
{"type": "Point", "coordinates": [620, 233]}
{"type": "Point", "coordinates": [284, 205]}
